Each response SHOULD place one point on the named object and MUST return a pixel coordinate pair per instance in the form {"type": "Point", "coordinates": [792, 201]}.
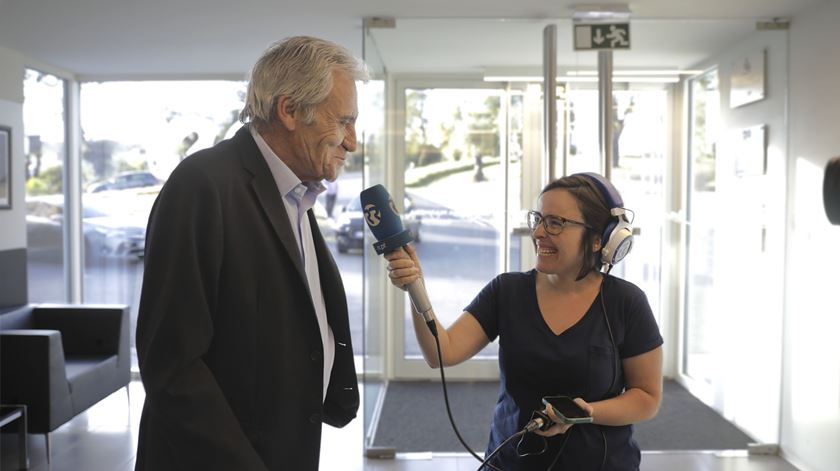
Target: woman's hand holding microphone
{"type": "Point", "coordinates": [403, 266]}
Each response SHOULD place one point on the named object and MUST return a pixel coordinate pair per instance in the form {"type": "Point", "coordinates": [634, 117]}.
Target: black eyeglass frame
{"type": "Point", "coordinates": [534, 218]}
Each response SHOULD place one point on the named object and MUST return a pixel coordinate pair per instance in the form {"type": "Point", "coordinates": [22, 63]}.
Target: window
{"type": "Point", "coordinates": [700, 318]}
{"type": "Point", "coordinates": [133, 136]}
{"type": "Point", "coordinates": [44, 153]}
{"type": "Point", "coordinates": [455, 178]}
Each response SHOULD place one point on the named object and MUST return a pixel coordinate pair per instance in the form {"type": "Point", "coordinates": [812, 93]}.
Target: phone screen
{"type": "Point", "coordinates": [567, 407]}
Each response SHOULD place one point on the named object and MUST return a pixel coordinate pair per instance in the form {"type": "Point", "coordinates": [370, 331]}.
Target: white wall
{"type": "Point", "coordinates": [750, 249]}
{"type": "Point", "coordinates": [11, 75]}
{"type": "Point", "coordinates": [13, 222]}
{"type": "Point", "coordinates": [749, 245]}
{"type": "Point", "coordinates": [811, 407]}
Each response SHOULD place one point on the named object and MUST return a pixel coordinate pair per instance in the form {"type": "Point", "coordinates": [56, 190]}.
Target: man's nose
{"type": "Point", "coordinates": [349, 142]}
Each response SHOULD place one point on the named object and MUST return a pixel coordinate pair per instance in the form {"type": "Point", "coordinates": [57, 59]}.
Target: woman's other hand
{"type": "Point", "coordinates": [559, 426]}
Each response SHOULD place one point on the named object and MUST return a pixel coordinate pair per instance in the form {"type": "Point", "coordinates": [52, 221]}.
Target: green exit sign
{"type": "Point", "coordinates": [602, 36]}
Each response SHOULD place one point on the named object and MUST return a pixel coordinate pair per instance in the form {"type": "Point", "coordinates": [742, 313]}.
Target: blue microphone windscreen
{"type": "Point", "coordinates": [380, 213]}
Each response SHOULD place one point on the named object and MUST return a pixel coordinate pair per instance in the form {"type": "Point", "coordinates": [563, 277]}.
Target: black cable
{"type": "Point", "coordinates": [523, 455]}
{"type": "Point", "coordinates": [604, 459]}
{"type": "Point", "coordinates": [486, 461]}
{"type": "Point", "coordinates": [433, 328]}
{"type": "Point", "coordinates": [538, 421]}
{"type": "Point", "coordinates": [616, 362]}
{"type": "Point", "coordinates": [612, 339]}
{"type": "Point", "coordinates": [562, 446]}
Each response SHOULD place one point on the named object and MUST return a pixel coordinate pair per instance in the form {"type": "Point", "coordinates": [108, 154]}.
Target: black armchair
{"type": "Point", "coordinates": [59, 360]}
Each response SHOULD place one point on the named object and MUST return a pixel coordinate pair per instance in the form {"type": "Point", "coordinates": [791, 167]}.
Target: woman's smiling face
{"type": "Point", "coordinates": [559, 254]}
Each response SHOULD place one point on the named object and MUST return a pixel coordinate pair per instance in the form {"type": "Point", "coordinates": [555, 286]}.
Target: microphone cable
{"type": "Point", "coordinates": [492, 455]}
{"type": "Point", "coordinates": [539, 421]}
{"type": "Point", "coordinates": [433, 328]}
{"type": "Point", "coordinates": [562, 446]}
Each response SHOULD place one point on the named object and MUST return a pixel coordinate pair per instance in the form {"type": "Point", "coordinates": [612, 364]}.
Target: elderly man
{"type": "Point", "coordinates": [243, 335]}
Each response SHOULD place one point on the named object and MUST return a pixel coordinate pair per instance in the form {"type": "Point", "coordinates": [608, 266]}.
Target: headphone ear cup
{"type": "Point", "coordinates": [619, 243]}
{"type": "Point", "coordinates": [608, 230]}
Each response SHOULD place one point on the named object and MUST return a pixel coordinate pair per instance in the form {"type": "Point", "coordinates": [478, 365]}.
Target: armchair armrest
{"type": "Point", "coordinates": [87, 329]}
{"type": "Point", "coordinates": [32, 372]}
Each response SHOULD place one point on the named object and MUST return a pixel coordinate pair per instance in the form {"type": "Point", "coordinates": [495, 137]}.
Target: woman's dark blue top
{"type": "Point", "coordinates": [580, 362]}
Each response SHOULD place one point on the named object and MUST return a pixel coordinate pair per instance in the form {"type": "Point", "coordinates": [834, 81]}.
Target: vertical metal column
{"type": "Point", "coordinates": [566, 130]}
{"type": "Point", "coordinates": [504, 148]}
{"type": "Point", "coordinates": [74, 240]}
{"type": "Point", "coordinates": [605, 103]}
{"type": "Point", "coordinates": [550, 98]}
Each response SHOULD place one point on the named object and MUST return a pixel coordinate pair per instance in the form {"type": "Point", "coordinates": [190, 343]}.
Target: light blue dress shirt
{"type": "Point", "coordinates": [299, 197]}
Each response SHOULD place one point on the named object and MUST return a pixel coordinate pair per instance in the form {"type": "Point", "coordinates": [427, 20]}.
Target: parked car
{"type": "Point", "coordinates": [126, 180]}
{"type": "Point", "coordinates": [120, 235]}
{"type": "Point", "coordinates": [350, 223]}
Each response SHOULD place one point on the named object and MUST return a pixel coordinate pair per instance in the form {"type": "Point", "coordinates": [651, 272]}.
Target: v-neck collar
{"type": "Point", "coordinates": [541, 318]}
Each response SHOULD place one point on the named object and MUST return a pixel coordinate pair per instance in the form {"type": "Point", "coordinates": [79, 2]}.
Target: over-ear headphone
{"type": "Point", "coordinates": [617, 238]}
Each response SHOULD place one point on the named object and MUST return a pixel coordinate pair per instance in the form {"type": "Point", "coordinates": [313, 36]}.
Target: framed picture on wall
{"type": "Point", "coordinates": [5, 167]}
{"type": "Point", "coordinates": [751, 151]}
{"type": "Point", "coordinates": [747, 80]}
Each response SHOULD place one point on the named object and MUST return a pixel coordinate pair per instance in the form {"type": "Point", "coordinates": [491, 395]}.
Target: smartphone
{"type": "Point", "coordinates": [565, 408]}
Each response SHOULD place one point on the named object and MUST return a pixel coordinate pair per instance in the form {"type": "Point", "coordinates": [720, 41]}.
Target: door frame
{"type": "Point", "coordinates": [485, 368]}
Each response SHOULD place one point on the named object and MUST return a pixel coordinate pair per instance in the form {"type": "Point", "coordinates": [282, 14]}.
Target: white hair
{"type": "Point", "coordinates": [301, 68]}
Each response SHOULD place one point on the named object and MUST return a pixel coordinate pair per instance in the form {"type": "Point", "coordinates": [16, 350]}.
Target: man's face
{"type": "Point", "coordinates": [322, 146]}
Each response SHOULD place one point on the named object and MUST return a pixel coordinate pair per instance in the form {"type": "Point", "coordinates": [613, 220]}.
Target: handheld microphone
{"type": "Point", "coordinates": [384, 222]}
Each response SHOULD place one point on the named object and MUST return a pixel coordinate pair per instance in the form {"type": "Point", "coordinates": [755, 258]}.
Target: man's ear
{"type": "Point", "coordinates": [285, 112]}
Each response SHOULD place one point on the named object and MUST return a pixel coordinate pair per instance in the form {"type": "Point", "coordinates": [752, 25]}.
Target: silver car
{"type": "Point", "coordinates": [105, 235]}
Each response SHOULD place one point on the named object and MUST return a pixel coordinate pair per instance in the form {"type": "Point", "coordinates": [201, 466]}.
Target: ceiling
{"type": "Point", "coordinates": [515, 47]}
{"type": "Point", "coordinates": [103, 39]}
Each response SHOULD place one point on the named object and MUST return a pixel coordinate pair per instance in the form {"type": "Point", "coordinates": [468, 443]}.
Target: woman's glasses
{"type": "Point", "coordinates": [553, 224]}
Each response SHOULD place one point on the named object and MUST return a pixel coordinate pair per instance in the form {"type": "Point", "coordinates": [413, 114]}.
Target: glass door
{"type": "Point", "coordinates": [641, 125]}
{"type": "Point", "coordinates": [460, 152]}
{"type": "Point", "coordinates": [373, 306]}
{"type": "Point", "coordinates": [45, 149]}
{"type": "Point", "coordinates": [700, 320]}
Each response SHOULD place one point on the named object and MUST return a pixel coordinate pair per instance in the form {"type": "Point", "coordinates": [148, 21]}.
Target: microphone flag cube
{"type": "Point", "coordinates": [383, 219]}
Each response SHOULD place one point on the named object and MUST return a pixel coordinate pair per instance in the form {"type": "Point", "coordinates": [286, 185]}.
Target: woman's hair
{"type": "Point", "coordinates": [301, 68]}
{"type": "Point", "coordinates": [595, 213]}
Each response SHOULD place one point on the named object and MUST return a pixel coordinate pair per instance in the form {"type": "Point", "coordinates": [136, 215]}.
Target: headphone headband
{"type": "Point", "coordinates": [608, 191]}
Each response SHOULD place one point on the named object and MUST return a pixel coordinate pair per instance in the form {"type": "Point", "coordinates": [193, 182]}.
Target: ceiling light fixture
{"type": "Point", "coordinates": [638, 72]}
{"type": "Point", "coordinates": [580, 78]}
{"type": "Point", "coordinates": [593, 13]}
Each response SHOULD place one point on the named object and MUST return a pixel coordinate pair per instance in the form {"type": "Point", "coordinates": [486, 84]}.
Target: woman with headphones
{"type": "Point", "coordinates": [564, 328]}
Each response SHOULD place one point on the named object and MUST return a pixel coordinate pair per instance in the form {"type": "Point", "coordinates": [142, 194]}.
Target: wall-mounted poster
{"type": "Point", "coordinates": [747, 84]}
{"type": "Point", "coordinates": [750, 151]}
{"type": "Point", "coordinates": [5, 167]}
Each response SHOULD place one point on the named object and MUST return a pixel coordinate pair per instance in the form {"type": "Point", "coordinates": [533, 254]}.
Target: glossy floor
{"type": "Point", "coordinates": [104, 439]}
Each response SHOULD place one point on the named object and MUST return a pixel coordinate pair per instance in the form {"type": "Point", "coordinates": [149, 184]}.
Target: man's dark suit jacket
{"type": "Point", "coordinates": [229, 347]}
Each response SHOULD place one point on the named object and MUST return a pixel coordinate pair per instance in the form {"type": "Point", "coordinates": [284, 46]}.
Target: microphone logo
{"type": "Point", "coordinates": [372, 215]}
